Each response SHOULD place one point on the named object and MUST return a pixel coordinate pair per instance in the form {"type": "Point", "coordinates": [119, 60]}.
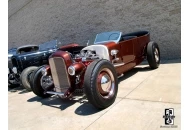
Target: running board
{"type": "Point", "coordinates": [118, 64]}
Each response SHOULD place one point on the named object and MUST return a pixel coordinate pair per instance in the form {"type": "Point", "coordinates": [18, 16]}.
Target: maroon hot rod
{"type": "Point", "coordinates": [96, 68]}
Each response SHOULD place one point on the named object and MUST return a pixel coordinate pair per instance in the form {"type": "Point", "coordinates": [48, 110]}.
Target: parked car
{"type": "Point", "coordinates": [96, 68]}
{"type": "Point", "coordinates": [28, 59]}
{"type": "Point", "coordinates": [11, 52]}
{"type": "Point", "coordinates": [14, 78]}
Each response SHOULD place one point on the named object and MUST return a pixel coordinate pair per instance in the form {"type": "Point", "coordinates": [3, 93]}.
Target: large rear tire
{"type": "Point", "coordinates": [153, 55]}
{"type": "Point", "coordinates": [36, 84]}
{"type": "Point", "coordinates": [101, 84]}
{"type": "Point", "coordinates": [25, 76]}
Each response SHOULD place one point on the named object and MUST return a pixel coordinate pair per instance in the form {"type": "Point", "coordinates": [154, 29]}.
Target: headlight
{"type": "Point", "coordinates": [14, 70]}
{"type": "Point", "coordinates": [114, 52]}
{"type": "Point", "coordinates": [43, 71]}
{"type": "Point", "coordinates": [71, 70]}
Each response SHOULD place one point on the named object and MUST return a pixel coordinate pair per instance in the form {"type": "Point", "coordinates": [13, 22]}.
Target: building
{"type": "Point", "coordinates": [38, 21]}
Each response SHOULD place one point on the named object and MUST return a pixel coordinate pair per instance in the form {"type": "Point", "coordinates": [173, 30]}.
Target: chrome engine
{"type": "Point", "coordinates": [87, 55]}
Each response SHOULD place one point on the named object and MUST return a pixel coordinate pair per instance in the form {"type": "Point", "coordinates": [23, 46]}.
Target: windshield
{"type": "Point", "coordinates": [27, 49]}
{"type": "Point", "coordinates": [12, 51]}
{"type": "Point", "coordinates": [107, 37]}
{"type": "Point", "coordinates": [48, 45]}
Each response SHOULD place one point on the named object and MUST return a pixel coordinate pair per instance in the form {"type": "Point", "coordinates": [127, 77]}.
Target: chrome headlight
{"type": "Point", "coordinates": [71, 70]}
{"type": "Point", "coordinates": [43, 71]}
{"type": "Point", "coordinates": [114, 52]}
{"type": "Point", "coordinates": [14, 70]}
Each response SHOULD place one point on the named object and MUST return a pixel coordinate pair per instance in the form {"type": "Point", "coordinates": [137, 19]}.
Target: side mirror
{"type": "Point", "coordinates": [114, 52]}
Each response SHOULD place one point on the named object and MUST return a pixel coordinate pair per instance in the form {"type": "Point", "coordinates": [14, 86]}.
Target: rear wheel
{"type": "Point", "coordinates": [101, 83]}
{"type": "Point", "coordinates": [36, 83]}
{"type": "Point", "coordinates": [153, 55]}
{"type": "Point", "coordinates": [25, 77]}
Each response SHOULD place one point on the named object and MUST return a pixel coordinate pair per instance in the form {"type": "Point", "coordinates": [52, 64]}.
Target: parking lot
{"type": "Point", "coordinates": [142, 98]}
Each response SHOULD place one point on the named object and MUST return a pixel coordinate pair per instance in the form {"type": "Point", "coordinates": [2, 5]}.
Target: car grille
{"type": "Point", "coordinates": [14, 62]}
{"type": "Point", "coordinates": [59, 74]}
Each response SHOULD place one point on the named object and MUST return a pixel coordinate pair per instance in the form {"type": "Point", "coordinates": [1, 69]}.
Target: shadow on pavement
{"type": "Point", "coordinates": [53, 101]}
{"type": "Point", "coordinates": [84, 109]}
{"type": "Point", "coordinates": [133, 72]}
{"type": "Point", "coordinates": [19, 89]}
{"type": "Point", "coordinates": [164, 61]}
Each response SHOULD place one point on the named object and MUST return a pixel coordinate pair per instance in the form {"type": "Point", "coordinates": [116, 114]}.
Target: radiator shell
{"type": "Point", "coordinates": [59, 74]}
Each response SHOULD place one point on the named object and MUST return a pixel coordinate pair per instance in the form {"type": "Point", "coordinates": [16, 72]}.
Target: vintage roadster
{"type": "Point", "coordinates": [96, 68]}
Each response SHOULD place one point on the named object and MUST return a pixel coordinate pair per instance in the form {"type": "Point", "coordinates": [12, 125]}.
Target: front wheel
{"type": "Point", "coordinates": [25, 77]}
{"type": "Point", "coordinates": [101, 84]}
{"type": "Point", "coordinates": [36, 82]}
{"type": "Point", "coordinates": [153, 55]}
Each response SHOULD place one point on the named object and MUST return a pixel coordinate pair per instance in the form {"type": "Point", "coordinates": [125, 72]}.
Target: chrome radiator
{"type": "Point", "coordinates": [59, 74]}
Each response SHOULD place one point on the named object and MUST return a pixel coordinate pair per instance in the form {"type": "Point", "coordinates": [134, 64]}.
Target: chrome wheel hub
{"type": "Point", "coordinates": [46, 81]}
{"type": "Point", "coordinates": [106, 83]}
{"type": "Point", "coordinates": [156, 54]}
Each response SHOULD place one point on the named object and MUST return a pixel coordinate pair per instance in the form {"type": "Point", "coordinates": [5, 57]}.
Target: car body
{"type": "Point", "coordinates": [30, 55]}
{"type": "Point", "coordinates": [14, 78]}
{"type": "Point", "coordinates": [11, 52]}
{"type": "Point", "coordinates": [20, 50]}
{"type": "Point", "coordinates": [28, 58]}
{"type": "Point", "coordinates": [96, 68]}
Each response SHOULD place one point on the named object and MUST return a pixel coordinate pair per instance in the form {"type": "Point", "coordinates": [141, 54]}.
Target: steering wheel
{"type": "Point", "coordinates": [115, 35]}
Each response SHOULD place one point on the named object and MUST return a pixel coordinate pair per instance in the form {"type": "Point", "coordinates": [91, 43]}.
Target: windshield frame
{"type": "Point", "coordinates": [53, 44]}
{"type": "Point", "coordinates": [111, 33]}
